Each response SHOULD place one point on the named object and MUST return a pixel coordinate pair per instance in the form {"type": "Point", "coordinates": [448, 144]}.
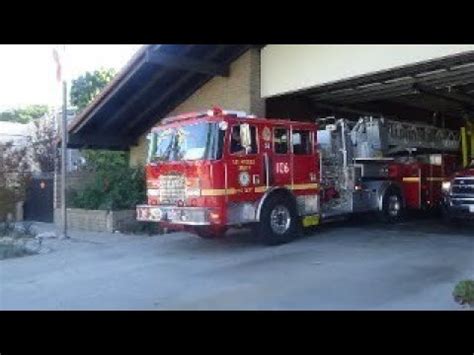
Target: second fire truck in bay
{"type": "Point", "coordinates": [211, 171]}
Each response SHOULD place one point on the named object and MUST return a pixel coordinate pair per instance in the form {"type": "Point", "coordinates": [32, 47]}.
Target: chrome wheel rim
{"type": "Point", "coordinates": [394, 206]}
{"type": "Point", "coordinates": [280, 219]}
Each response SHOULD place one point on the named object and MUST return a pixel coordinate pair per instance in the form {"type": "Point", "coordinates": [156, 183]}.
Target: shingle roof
{"type": "Point", "coordinates": [152, 84]}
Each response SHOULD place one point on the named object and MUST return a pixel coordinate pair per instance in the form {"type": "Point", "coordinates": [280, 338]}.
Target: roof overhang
{"type": "Point", "coordinates": [444, 85]}
{"type": "Point", "coordinates": [153, 83]}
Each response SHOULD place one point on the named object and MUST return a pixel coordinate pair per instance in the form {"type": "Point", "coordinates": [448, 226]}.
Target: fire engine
{"type": "Point", "coordinates": [209, 171]}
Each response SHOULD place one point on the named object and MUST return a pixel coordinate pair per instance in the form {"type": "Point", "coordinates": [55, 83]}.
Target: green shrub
{"type": "Point", "coordinates": [12, 230]}
{"type": "Point", "coordinates": [13, 251]}
{"type": "Point", "coordinates": [117, 189]}
{"type": "Point", "coordinates": [116, 186]}
{"type": "Point", "coordinates": [7, 228]}
{"type": "Point", "coordinates": [464, 292]}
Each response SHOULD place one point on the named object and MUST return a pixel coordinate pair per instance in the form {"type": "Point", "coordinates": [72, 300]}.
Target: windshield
{"type": "Point", "coordinates": [191, 142]}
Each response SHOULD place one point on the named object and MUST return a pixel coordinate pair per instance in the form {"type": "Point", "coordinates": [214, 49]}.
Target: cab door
{"type": "Point", "coordinates": [280, 157]}
{"type": "Point", "coordinates": [304, 160]}
{"type": "Point", "coordinates": [243, 169]}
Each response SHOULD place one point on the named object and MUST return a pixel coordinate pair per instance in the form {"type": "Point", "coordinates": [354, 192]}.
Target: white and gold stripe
{"type": "Point", "coordinates": [257, 189]}
{"type": "Point", "coordinates": [417, 179]}
{"type": "Point", "coordinates": [435, 179]}
{"type": "Point", "coordinates": [411, 179]}
{"type": "Point", "coordinates": [312, 186]}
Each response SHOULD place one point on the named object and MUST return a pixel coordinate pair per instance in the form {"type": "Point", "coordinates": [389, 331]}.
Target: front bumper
{"type": "Point", "coordinates": [196, 216]}
{"type": "Point", "coordinates": [459, 206]}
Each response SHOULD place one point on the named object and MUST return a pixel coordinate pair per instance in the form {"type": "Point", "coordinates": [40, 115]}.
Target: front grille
{"type": "Point", "coordinates": [172, 188]}
{"type": "Point", "coordinates": [463, 189]}
{"type": "Point", "coordinates": [460, 202]}
{"type": "Point", "coordinates": [463, 186]}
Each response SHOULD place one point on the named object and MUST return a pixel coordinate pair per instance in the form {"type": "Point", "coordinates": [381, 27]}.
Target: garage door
{"type": "Point", "coordinates": [438, 92]}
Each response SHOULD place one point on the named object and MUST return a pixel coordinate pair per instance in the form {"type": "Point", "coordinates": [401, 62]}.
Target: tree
{"type": "Point", "coordinates": [105, 159]}
{"type": "Point", "coordinates": [14, 174]}
{"type": "Point", "coordinates": [83, 90]}
{"type": "Point", "coordinates": [43, 144]}
{"type": "Point", "coordinates": [24, 114]}
{"type": "Point", "coordinates": [86, 87]}
{"type": "Point", "coordinates": [116, 185]}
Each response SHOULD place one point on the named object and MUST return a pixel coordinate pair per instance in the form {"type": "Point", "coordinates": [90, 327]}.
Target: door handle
{"type": "Point", "coordinates": [266, 163]}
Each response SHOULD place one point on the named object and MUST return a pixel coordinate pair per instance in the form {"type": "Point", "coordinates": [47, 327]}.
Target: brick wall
{"type": "Point", "coordinates": [92, 220]}
{"type": "Point", "coordinates": [239, 91]}
{"type": "Point", "coordinates": [75, 180]}
{"type": "Point", "coordinates": [96, 220]}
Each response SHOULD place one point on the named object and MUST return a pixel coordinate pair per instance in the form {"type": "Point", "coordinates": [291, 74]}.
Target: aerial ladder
{"type": "Point", "coordinates": [467, 143]}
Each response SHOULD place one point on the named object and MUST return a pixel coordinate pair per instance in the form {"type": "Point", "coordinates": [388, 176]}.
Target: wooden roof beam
{"type": "Point", "coordinates": [187, 64]}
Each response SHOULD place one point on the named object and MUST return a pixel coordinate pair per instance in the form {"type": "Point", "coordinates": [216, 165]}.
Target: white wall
{"type": "Point", "coordinates": [287, 68]}
{"type": "Point", "coordinates": [18, 133]}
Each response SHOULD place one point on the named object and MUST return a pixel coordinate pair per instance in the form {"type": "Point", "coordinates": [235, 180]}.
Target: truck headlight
{"type": "Point", "coordinates": [446, 185]}
{"type": "Point", "coordinates": [153, 192]}
{"type": "Point", "coordinates": [193, 187]}
{"type": "Point", "coordinates": [153, 184]}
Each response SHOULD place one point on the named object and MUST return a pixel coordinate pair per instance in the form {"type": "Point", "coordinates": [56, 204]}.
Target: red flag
{"type": "Point", "coordinates": [57, 59]}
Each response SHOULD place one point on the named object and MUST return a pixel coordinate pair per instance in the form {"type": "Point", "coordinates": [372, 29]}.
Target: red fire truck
{"type": "Point", "coordinates": [210, 171]}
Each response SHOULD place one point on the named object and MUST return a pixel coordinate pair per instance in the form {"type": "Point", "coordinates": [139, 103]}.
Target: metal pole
{"type": "Point", "coordinates": [63, 162]}
{"type": "Point", "coordinates": [471, 145]}
{"type": "Point", "coordinates": [464, 146]}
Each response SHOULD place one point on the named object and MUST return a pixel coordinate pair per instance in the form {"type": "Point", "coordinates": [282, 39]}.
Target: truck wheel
{"type": "Point", "coordinates": [279, 221]}
{"type": "Point", "coordinates": [392, 207]}
{"type": "Point", "coordinates": [206, 232]}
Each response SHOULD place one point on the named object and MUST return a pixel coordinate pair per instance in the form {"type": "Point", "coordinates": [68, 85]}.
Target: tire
{"type": "Point", "coordinates": [279, 222]}
{"type": "Point", "coordinates": [206, 232]}
{"type": "Point", "coordinates": [393, 210]}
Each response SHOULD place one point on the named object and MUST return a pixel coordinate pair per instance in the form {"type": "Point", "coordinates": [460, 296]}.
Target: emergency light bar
{"type": "Point", "coordinates": [184, 116]}
{"type": "Point", "coordinates": [214, 112]}
{"type": "Point", "coordinates": [217, 111]}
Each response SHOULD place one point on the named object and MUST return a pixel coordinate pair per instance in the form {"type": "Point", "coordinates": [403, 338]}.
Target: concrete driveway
{"type": "Point", "coordinates": [342, 266]}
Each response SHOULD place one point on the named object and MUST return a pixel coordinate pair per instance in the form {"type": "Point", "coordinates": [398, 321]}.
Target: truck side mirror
{"type": "Point", "coordinates": [152, 140]}
{"type": "Point", "coordinates": [223, 125]}
{"type": "Point", "coordinates": [245, 136]}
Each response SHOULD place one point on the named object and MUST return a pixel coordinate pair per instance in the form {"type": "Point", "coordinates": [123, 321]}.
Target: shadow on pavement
{"type": "Point", "coordinates": [415, 225]}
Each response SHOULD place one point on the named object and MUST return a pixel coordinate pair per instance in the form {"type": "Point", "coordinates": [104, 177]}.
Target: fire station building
{"type": "Point", "coordinates": [422, 83]}
{"type": "Point", "coordinates": [431, 84]}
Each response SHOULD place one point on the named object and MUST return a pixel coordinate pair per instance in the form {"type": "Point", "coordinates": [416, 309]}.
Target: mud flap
{"type": "Point", "coordinates": [311, 220]}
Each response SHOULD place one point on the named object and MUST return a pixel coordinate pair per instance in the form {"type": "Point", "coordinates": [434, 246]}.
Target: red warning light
{"type": "Point", "coordinates": [217, 111]}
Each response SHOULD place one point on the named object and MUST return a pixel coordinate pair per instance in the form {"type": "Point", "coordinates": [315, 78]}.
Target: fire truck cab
{"type": "Point", "coordinates": [210, 171]}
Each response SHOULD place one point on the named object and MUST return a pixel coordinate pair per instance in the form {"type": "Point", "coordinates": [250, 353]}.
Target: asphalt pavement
{"type": "Point", "coordinates": [345, 265]}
